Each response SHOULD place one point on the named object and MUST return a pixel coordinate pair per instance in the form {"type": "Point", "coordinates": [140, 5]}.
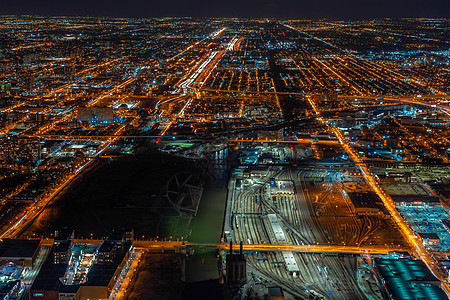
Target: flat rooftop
{"type": "Point", "coordinates": [406, 189]}
{"type": "Point", "coordinates": [18, 249]}
{"type": "Point", "coordinates": [101, 274]}
{"type": "Point", "coordinates": [428, 219]}
{"type": "Point", "coordinates": [275, 291]}
{"type": "Point", "coordinates": [409, 279]}
{"type": "Point", "coordinates": [410, 192]}
{"type": "Point", "coordinates": [48, 277]}
{"type": "Point", "coordinates": [277, 229]}
{"type": "Point", "coordinates": [291, 263]}
{"type": "Point", "coordinates": [365, 200]}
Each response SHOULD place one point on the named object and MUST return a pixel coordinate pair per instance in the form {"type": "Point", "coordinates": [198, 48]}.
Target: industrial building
{"type": "Point", "coordinates": [20, 252]}
{"type": "Point", "coordinates": [282, 187]}
{"type": "Point", "coordinates": [236, 267]}
{"type": "Point", "coordinates": [366, 203]}
{"type": "Point", "coordinates": [63, 243]}
{"type": "Point", "coordinates": [95, 115]}
{"type": "Point", "coordinates": [428, 222]}
{"type": "Point", "coordinates": [414, 194]}
{"type": "Point", "coordinates": [408, 279]}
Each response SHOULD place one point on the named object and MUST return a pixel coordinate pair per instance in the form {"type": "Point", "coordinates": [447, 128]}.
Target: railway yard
{"type": "Point", "coordinates": [304, 205]}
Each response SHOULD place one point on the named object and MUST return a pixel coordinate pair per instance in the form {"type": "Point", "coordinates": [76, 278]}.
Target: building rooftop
{"type": "Point", "coordinates": [291, 263]}
{"type": "Point", "coordinates": [365, 200]}
{"type": "Point", "coordinates": [7, 287]}
{"type": "Point", "coordinates": [428, 235]}
{"type": "Point", "coordinates": [62, 247]}
{"type": "Point", "coordinates": [48, 277]}
{"type": "Point", "coordinates": [428, 219]}
{"type": "Point", "coordinates": [18, 249]}
{"type": "Point", "coordinates": [411, 192]}
{"type": "Point", "coordinates": [107, 246]}
{"type": "Point", "coordinates": [275, 291]}
{"type": "Point", "coordinates": [101, 274]}
{"type": "Point", "coordinates": [282, 187]}
{"type": "Point", "coordinates": [409, 279]}
{"type": "Point", "coordinates": [406, 189]}
{"type": "Point", "coordinates": [277, 229]}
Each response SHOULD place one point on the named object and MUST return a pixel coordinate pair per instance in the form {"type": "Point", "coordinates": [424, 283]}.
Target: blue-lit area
{"type": "Point", "coordinates": [428, 219]}
{"type": "Point", "coordinates": [408, 279]}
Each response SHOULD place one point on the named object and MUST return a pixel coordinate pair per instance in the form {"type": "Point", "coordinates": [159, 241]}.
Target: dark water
{"type": "Point", "coordinates": [124, 194]}
{"type": "Point", "coordinates": [206, 226]}
{"type": "Point", "coordinates": [202, 276]}
{"type": "Point", "coordinates": [202, 279]}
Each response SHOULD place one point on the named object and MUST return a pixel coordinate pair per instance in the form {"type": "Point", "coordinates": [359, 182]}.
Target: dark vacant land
{"type": "Point", "coordinates": [159, 277]}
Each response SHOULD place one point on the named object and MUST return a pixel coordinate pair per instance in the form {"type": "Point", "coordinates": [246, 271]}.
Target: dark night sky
{"type": "Point", "coordinates": [237, 8]}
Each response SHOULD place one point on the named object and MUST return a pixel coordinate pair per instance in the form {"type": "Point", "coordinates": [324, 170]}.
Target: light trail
{"type": "Point", "coordinates": [212, 35]}
{"type": "Point", "coordinates": [231, 45]}
{"type": "Point", "coordinates": [125, 277]}
{"type": "Point", "coordinates": [191, 79]}
{"type": "Point", "coordinates": [109, 92]}
{"type": "Point", "coordinates": [168, 100]}
{"type": "Point", "coordinates": [217, 33]}
{"type": "Point", "coordinates": [205, 65]}
{"type": "Point", "coordinates": [155, 244]}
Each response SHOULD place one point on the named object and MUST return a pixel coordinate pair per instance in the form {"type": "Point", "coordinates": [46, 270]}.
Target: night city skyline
{"type": "Point", "coordinates": [233, 150]}
{"type": "Point", "coordinates": [353, 9]}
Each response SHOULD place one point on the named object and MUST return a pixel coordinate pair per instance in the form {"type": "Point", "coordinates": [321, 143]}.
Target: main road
{"type": "Point", "coordinates": [170, 245]}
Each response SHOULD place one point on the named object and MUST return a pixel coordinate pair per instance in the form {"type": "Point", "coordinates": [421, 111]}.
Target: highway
{"type": "Point", "coordinates": [420, 251]}
{"type": "Point", "coordinates": [277, 141]}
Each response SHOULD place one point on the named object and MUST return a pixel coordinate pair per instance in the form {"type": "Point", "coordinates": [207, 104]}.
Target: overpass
{"type": "Point", "coordinates": [244, 92]}
{"type": "Point", "coordinates": [161, 246]}
{"type": "Point", "coordinates": [171, 139]}
{"type": "Point", "coordinates": [276, 141]}
{"type": "Point", "coordinates": [444, 108]}
{"type": "Point", "coordinates": [105, 137]}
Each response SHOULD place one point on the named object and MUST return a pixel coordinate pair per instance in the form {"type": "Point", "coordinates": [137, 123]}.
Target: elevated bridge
{"type": "Point", "coordinates": [161, 246]}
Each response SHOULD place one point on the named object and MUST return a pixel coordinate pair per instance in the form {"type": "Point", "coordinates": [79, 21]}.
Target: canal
{"type": "Point", "coordinates": [206, 226]}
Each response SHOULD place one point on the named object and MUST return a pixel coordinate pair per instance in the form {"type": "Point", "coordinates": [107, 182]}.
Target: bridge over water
{"type": "Point", "coordinates": [161, 246]}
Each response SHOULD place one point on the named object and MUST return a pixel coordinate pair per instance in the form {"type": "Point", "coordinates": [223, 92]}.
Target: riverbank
{"type": "Point", "coordinates": [124, 193]}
